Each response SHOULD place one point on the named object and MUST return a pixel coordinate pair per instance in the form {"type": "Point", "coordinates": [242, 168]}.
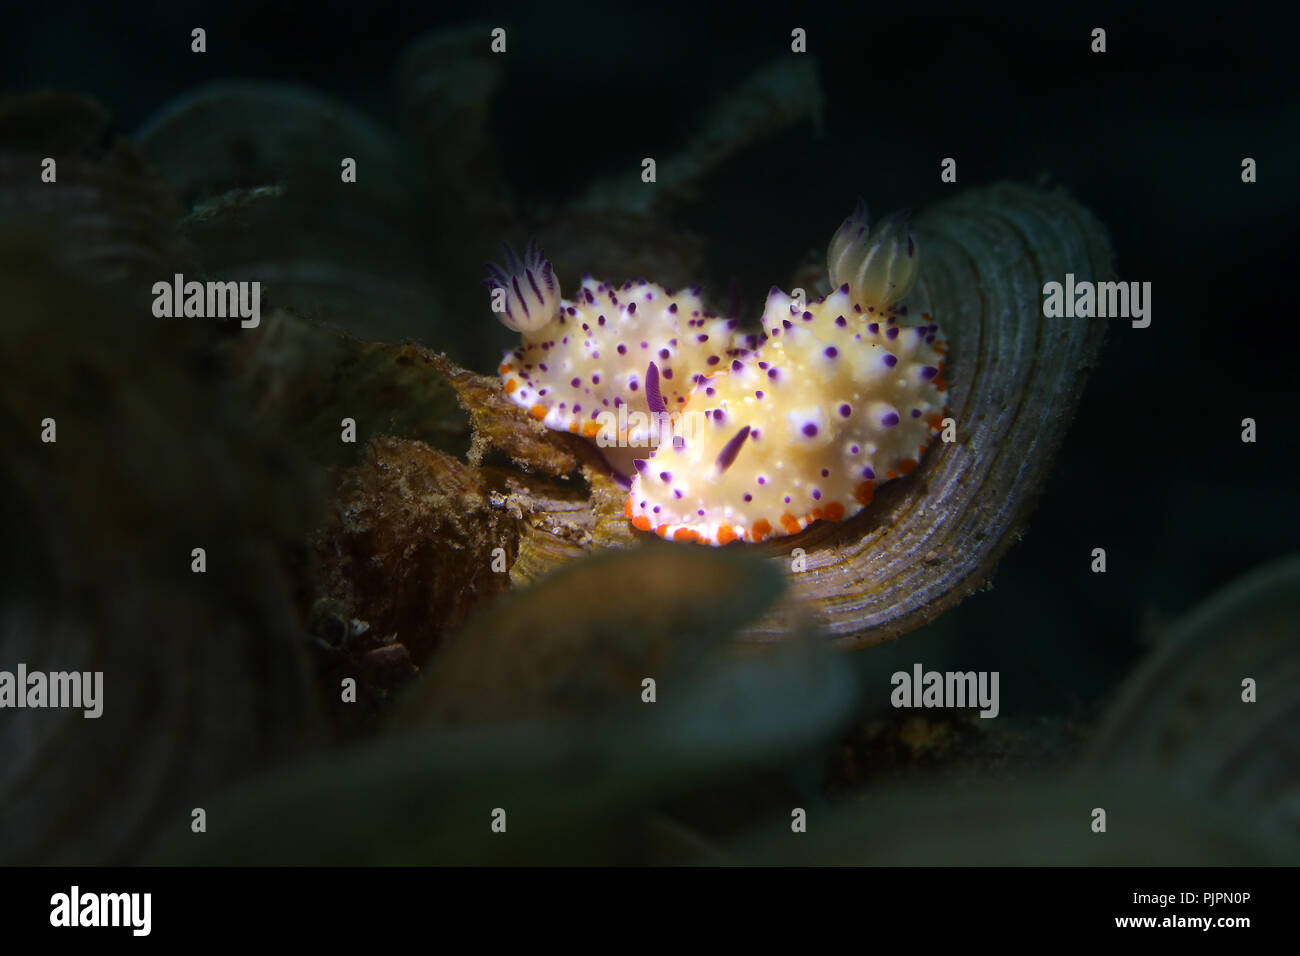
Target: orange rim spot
{"type": "Point", "coordinates": [590, 430]}
{"type": "Point", "coordinates": [627, 508]}
{"type": "Point", "coordinates": [726, 535]}
{"type": "Point", "coordinates": [790, 523]}
{"type": "Point", "coordinates": [573, 427]}
{"type": "Point", "coordinates": [935, 421]}
{"type": "Point", "coordinates": [907, 466]}
{"type": "Point", "coordinates": [685, 534]}
{"type": "Point", "coordinates": [662, 531]}
{"type": "Point", "coordinates": [892, 474]}
{"type": "Point", "coordinates": [835, 511]}
{"type": "Point", "coordinates": [864, 493]}
{"type": "Point", "coordinates": [762, 528]}
{"type": "Point", "coordinates": [641, 523]}
{"type": "Point", "coordinates": [538, 412]}
{"type": "Point", "coordinates": [504, 368]}
{"type": "Point", "coordinates": [817, 515]}
{"type": "Point", "coordinates": [511, 385]}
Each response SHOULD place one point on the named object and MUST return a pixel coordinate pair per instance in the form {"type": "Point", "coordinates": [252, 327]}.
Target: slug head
{"type": "Point", "coordinates": [879, 266]}
{"type": "Point", "coordinates": [528, 291]}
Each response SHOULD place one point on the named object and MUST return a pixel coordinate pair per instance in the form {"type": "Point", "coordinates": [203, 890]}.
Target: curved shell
{"type": "Point", "coordinates": [1181, 716]}
{"type": "Point", "coordinates": [204, 676]}
{"type": "Point", "coordinates": [933, 537]}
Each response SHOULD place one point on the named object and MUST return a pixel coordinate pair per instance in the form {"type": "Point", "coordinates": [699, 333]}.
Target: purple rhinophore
{"type": "Point", "coordinates": [731, 449]}
{"type": "Point", "coordinates": [652, 394]}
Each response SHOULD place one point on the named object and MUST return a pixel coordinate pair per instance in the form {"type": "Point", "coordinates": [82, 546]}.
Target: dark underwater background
{"type": "Point", "coordinates": [1149, 136]}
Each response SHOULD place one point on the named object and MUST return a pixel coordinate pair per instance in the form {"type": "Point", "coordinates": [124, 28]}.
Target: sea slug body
{"type": "Point", "coordinates": [798, 424]}
{"type": "Point", "coordinates": [580, 360]}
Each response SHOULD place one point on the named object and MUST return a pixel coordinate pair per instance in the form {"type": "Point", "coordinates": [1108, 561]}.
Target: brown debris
{"type": "Point", "coordinates": [499, 423]}
{"type": "Point", "coordinates": [408, 549]}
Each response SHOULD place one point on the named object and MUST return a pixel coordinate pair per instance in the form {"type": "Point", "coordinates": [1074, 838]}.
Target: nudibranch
{"type": "Point", "coordinates": [581, 361]}
{"type": "Point", "coordinates": [776, 430]}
